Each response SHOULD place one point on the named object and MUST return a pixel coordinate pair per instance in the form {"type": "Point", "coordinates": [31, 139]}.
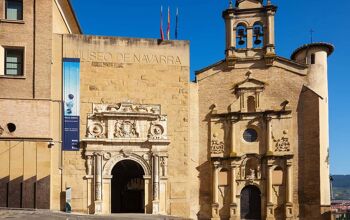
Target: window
{"type": "Point", "coordinates": [313, 58]}
{"type": "Point", "coordinates": [241, 38]}
{"type": "Point", "coordinates": [14, 62]}
{"type": "Point", "coordinates": [250, 135]}
{"type": "Point", "coordinates": [251, 104]}
{"type": "Point", "coordinates": [258, 35]}
{"type": "Point", "coordinates": [14, 9]}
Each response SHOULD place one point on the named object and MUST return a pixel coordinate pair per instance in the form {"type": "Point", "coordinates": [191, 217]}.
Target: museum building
{"type": "Point", "coordinates": [114, 125]}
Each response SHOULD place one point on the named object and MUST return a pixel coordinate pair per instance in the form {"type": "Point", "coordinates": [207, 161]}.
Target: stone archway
{"type": "Point", "coordinates": [127, 188]}
{"type": "Point", "coordinates": [126, 132]}
{"type": "Point", "coordinates": [251, 203]}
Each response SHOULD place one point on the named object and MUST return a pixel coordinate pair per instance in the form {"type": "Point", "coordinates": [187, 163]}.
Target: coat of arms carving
{"type": "Point", "coordinates": [126, 129]}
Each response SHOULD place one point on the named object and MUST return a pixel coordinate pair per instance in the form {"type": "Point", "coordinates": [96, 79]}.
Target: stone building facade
{"type": "Point", "coordinates": [248, 139]}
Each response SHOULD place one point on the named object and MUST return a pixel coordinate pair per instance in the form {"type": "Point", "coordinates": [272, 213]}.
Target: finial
{"type": "Point", "coordinates": [230, 4]}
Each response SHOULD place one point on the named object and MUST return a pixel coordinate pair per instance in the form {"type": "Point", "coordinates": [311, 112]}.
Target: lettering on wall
{"type": "Point", "coordinates": [109, 59]}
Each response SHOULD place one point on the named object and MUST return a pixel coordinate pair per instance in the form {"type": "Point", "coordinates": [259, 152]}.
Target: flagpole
{"type": "Point", "coordinates": [177, 23]}
{"type": "Point", "coordinates": [161, 23]}
{"type": "Point", "coordinates": [168, 30]}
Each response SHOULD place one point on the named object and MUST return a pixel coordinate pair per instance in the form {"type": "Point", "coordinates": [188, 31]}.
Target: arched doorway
{"type": "Point", "coordinates": [127, 188]}
{"type": "Point", "coordinates": [250, 203]}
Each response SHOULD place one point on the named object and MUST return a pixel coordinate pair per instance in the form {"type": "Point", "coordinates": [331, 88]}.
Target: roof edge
{"type": "Point", "coordinates": [197, 72]}
{"type": "Point", "coordinates": [75, 16]}
{"type": "Point", "coordinates": [330, 48]}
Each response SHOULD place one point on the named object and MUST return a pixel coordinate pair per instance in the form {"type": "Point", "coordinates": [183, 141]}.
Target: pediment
{"type": "Point", "coordinates": [250, 84]}
{"type": "Point", "coordinates": [243, 4]}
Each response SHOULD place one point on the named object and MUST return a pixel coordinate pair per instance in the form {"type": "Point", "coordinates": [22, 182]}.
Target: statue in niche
{"type": "Point", "coordinates": [251, 175]}
{"type": "Point", "coordinates": [252, 169]}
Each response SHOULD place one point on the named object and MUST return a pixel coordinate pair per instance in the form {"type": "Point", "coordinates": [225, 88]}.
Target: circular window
{"type": "Point", "coordinates": [250, 135]}
{"type": "Point", "coordinates": [11, 127]}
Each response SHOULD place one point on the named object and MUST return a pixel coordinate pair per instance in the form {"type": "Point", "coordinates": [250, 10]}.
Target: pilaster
{"type": "Point", "coordinates": [155, 202]}
{"type": "Point", "coordinates": [98, 184]}
{"type": "Point", "coordinates": [289, 190]}
{"type": "Point", "coordinates": [215, 204]}
{"type": "Point", "coordinates": [234, 214]}
{"type": "Point", "coordinates": [270, 215]}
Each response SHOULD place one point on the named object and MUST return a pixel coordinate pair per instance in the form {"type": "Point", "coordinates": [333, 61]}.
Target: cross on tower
{"type": "Point", "coordinates": [312, 35]}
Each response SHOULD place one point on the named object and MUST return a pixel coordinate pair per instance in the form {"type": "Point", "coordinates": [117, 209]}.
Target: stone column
{"type": "Point", "coordinates": [270, 47]}
{"type": "Point", "coordinates": [98, 184]}
{"type": "Point", "coordinates": [148, 194]}
{"type": "Point", "coordinates": [233, 206]}
{"type": "Point", "coordinates": [269, 150]}
{"type": "Point", "coordinates": [215, 189]}
{"type": "Point", "coordinates": [89, 162]}
{"type": "Point", "coordinates": [155, 202]}
{"type": "Point", "coordinates": [269, 206]}
{"type": "Point", "coordinates": [230, 35]}
{"type": "Point", "coordinates": [289, 190]}
{"type": "Point", "coordinates": [249, 37]}
{"type": "Point", "coordinates": [233, 138]}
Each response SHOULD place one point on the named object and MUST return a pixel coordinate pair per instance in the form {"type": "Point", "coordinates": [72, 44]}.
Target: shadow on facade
{"type": "Point", "coordinates": [29, 193]}
{"type": "Point", "coordinates": [308, 155]}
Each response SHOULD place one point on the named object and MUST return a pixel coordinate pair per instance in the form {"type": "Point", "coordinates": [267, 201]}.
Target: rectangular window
{"type": "Point", "coordinates": [14, 62]}
{"type": "Point", "coordinates": [14, 9]}
{"type": "Point", "coordinates": [313, 57]}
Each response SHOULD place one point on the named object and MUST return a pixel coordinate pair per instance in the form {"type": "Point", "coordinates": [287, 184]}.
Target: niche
{"type": "Point", "coordinates": [277, 176]}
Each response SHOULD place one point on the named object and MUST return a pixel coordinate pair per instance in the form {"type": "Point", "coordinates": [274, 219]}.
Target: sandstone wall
{"type": "Point", "coordinates": [143, 71]}
{"type": "Point", "coordinates": [216, 88]}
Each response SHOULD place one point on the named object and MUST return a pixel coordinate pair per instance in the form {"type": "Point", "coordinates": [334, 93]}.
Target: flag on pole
{"type": "Point", "coordinates": [161, 23]}
{"type": "Point", "coordinates": [168, 30]}
{"type": "Point", "coordinates": [177, 23]}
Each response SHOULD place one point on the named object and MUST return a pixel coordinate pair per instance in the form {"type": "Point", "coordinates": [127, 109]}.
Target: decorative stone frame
{"type": "Point", "coordinates": [142, 139]}
{"type": "Point", "coordinates": [249, 87]}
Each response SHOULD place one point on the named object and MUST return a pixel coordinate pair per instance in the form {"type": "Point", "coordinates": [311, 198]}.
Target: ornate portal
{"type": "Point", "coordinates": [126, 131]}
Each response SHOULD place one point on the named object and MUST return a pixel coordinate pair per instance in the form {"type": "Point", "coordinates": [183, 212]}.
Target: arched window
{"type": "Point", "coordinates": [251, 104]}
{"type": "Point", "coordinates": [241, 39]}
{"type": "Point", "coordinates": [258, 35]}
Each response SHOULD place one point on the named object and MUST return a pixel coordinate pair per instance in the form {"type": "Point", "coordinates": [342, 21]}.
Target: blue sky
{"type": "Point", "coordinates": [201, 23]}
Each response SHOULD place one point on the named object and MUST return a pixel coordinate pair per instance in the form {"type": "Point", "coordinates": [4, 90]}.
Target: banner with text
{"type": "Point", "coordinates": [71, 104]}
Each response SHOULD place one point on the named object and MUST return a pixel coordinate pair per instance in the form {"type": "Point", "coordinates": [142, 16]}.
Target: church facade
{"type": "Point", "coordinates": [114, 125]}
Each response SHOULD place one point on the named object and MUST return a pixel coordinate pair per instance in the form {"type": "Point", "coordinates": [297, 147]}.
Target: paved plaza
{"type": "Point", "coordinates": [53, 215]}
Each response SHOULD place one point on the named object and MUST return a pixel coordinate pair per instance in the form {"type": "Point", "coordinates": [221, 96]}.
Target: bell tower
{"type": "Point", "coordinates": [250, 31]}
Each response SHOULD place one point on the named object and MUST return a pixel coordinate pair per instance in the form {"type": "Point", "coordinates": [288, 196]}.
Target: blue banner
{"type": "Point", "coordinates": [71, 104]}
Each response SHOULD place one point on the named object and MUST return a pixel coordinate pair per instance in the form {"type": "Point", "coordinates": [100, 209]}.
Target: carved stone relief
{"type": "Point", "coordinates": [156, 131]}
{"type": "Point", "coordinates": [127, 120]}
{"type": "Point", "coordinates": [250, 169]}
{"type": "Point", "coordinates": [217, 147]}
{"type": "Point", "coordinates": [1, 130]}
{"type": "Point", "coordinates": [96, 130]}
{"type": "Point", "coordinates": [125, 129]}
{"type": "Point", "coordinates": [282, 144]}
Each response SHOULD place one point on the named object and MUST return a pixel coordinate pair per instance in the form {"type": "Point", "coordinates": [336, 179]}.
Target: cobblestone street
{"type": "Point", "coordinates": [53, 215]}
